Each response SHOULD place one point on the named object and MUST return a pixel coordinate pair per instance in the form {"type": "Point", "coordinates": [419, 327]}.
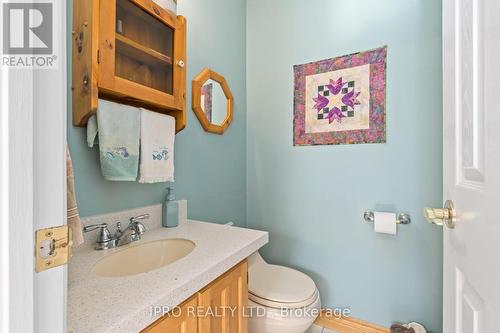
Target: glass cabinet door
{"type": "Point", "coordinates": [144, 48]}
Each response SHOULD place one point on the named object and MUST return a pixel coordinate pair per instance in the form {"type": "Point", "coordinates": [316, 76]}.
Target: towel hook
{"type": "Point", "coordinates": [402, 218]}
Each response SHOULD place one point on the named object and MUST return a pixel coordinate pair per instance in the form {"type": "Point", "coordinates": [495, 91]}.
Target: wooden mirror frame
{"type": "Point", "coordinates": [198, 83]}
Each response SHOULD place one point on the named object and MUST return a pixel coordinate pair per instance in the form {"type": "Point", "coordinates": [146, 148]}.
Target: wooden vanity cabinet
{"type": "Point", "coordinates": [129, 51]}
{"type": "Point", "coordinates": [229, 294]}
{"type": "Point", "coordinates": [182, 322]}
{"type": "Point", "coordinates": [219, 307]}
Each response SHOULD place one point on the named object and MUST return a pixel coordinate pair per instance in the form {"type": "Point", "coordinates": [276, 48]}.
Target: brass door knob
{"type": "Point", "coordinates": [442, 216]}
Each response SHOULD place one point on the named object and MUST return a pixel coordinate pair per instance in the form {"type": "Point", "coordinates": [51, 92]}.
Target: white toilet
{"type": "Point", "coordinates": [280, 299]}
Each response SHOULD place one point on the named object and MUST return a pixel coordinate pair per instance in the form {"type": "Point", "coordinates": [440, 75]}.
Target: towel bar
{"type": "Point", "coordinates": [402, 218]}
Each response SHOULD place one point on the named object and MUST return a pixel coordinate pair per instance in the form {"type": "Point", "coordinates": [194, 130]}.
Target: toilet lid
{"type": "Point", "coordinates": [285, 306]}
{"type": "Point", "coordinates": [280, 284]}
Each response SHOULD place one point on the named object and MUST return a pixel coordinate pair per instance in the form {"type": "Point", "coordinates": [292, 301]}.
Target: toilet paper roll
{"type": "Point", "coordinates": [385, 223]}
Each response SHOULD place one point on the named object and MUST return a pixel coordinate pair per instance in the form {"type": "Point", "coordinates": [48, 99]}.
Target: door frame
{"type": "Point", "coordinates": [33, 188]}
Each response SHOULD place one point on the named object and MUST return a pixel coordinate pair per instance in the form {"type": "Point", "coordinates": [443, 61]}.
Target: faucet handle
{"type": "Point", "coordinates": [104, 234]}
{"type": "Point", "coordinates": [93, 227]}
{"type": "Point", "coordinates": [136, 225]}
{"type": "Point", "coordinates": [140, 228]}
{"type": "Point", "coordinates": [138, 218]}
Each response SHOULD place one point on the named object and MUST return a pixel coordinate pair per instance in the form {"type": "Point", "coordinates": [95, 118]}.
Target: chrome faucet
{"type": "Point", "coordinates": [121, 237]}
{"type": "Point", "coordinates": [133, 231]}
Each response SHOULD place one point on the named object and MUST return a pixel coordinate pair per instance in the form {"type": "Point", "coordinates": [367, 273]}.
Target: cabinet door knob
{"type": "Point", "coordinates": [180, 63]}
{"type": "Point", "coordinates": [85, 80]}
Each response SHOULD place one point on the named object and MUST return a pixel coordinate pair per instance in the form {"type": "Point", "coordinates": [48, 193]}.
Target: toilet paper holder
{"type": "Point", "coordinates": [402, 218]}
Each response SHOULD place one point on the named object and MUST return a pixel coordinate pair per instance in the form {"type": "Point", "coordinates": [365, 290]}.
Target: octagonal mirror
{"type": "Point", "coordinates": [212, 101]}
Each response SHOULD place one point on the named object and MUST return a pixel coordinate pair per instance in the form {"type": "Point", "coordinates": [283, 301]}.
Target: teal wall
{"type": "Point", "coordinates": [210, 169]}
{"type": "Point", "coordinates": [312, 199]}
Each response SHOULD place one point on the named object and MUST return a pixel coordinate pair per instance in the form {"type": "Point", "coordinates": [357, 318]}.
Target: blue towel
{"type": "Point", "coordinates": [119, 132]}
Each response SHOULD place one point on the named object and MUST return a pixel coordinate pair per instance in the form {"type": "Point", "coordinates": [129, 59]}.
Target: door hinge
{"type": "Point", "coordinates": [52, 247]}
{"type": "Point", "coordinates": [98, 56]}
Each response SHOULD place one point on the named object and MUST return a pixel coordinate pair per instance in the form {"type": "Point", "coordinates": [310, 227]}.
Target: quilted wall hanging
{"type": "Point", "coordinates": [341, 100]}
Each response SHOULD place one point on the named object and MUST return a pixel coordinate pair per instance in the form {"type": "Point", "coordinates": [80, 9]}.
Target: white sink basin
{"type": "Point", "coordinates": [143, 258]}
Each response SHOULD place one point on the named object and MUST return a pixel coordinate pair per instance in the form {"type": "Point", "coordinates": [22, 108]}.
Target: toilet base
{"type": "Point", "coordinates": [270, 320]}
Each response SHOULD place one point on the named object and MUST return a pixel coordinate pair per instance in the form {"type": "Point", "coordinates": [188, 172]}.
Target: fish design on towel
{"type": "Point", "coordinates": [118, 152]}
{"type": "Point", "coordinates": [161, 154]}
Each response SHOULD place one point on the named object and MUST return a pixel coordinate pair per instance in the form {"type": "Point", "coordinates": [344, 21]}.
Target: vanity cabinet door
{"type": "Point", "coordinates": [223, 301]}
{"type": "Point", "coordinates": [181, 321]}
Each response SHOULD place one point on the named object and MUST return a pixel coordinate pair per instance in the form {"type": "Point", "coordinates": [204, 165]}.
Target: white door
{"type": "Point", "coordinates": [32, 187]}
{"type": "Point", "coordinates": [471, 55]}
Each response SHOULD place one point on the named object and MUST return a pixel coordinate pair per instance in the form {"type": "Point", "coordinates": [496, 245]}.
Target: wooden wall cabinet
{"type": "Point", "coordinates": [212, 304]}
{"type": "Point", "coordinates": [129, 51]}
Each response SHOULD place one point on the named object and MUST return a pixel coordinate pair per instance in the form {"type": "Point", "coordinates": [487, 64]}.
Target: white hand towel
{"type": "Point", "coordinates": [157, 147]}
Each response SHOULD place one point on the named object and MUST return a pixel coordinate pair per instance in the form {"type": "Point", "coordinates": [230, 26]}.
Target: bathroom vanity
{"type": "Point", "coordinates": [227, 293]}
{"type": "Point", "coordinates": [119, 299]}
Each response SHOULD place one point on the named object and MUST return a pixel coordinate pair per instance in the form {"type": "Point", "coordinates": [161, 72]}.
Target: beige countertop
{"type": "Point", "coordinates": [124, 304]}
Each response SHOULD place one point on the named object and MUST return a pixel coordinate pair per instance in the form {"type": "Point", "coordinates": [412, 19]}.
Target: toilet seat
{"type": "Point", "coordinates": [280, 287]}
{"type": "Point", "coordinates": [282, 305]}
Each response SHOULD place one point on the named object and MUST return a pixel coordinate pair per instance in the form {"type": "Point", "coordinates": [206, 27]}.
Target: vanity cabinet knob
{"type": "Point", "coordinates": [181, 63]}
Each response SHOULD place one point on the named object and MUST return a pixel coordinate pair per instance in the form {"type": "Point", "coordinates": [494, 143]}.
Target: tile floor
{"type": "Point", "coordinates": [317, 329]}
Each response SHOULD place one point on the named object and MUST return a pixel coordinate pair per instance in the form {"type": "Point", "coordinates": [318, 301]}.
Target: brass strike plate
{"type": "Point", "coordinates": [52, 247]}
